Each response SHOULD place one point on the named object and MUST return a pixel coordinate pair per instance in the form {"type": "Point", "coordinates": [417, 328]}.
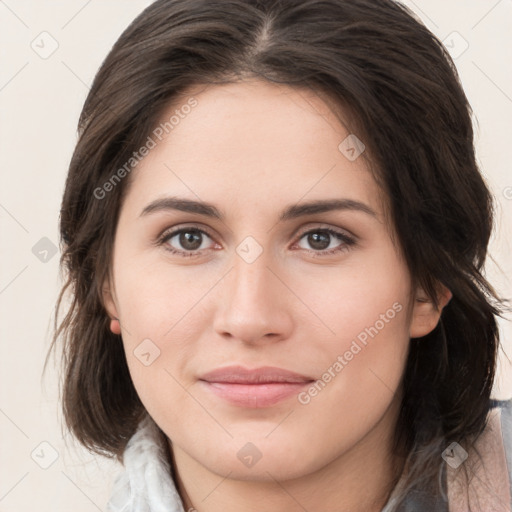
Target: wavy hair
{"type": "Point", "coordinates": [400, 87]}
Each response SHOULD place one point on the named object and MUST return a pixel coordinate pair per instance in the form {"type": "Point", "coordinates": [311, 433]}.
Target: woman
{"type": "Point", "coordinates": [274, 230]}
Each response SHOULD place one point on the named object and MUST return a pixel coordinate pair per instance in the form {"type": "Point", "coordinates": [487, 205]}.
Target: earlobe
{"type": "Point", "coordinates": [425, 315]}
{"type": "Point", "coordinates": [115, 326]}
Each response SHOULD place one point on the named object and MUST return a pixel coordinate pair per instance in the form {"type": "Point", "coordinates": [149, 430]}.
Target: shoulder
{"type": "Point", "coordinates": [485, 477]}
{"type": "Point", "coordinates": [503, 410]}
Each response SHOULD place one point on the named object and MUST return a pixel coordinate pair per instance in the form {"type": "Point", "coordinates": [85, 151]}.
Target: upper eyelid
{"type": "Point", "coordinates": [175, 230]}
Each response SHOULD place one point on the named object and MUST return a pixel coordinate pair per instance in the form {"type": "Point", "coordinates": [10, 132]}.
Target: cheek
{"type": "Point", "coordinates": [154, 298]}
{"type": "Point", "coordinates": [360, 368]}
{"type": "Point", "coordinates": [163, 319]}
{"type": "Point", "coordinates": [361, 355]}
{"type": "Point", "coordinates": [367, 292]}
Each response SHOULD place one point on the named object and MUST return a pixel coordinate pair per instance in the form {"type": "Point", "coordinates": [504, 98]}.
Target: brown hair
{"type": "Point", "coordinates": [401, 88]}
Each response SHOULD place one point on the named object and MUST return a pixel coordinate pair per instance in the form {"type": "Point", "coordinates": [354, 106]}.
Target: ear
{"type": "Point", "coordinates": [425, 316]}
{"type": "Point", "coordinates": [109, 300]}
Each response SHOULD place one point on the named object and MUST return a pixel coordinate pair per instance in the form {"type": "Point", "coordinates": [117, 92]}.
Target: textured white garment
{"type": "Point", "coordinates": [146, 484]}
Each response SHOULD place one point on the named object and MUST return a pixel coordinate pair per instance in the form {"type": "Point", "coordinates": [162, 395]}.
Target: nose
{"type": "Point", "coordinates": [254, 305]}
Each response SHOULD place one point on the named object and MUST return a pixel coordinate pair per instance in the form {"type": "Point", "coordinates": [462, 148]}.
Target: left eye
{"type": "Point", "coordinates": [321, 239]}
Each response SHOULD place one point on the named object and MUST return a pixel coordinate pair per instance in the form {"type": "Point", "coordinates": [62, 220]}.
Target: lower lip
{"type": "Point", "coordinates": [255, 395]}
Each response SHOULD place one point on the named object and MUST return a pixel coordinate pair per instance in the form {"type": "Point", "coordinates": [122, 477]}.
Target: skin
{"type": "Point", "coordinates": [253, 148]}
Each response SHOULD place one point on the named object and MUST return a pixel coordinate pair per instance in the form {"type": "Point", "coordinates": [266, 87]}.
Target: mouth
{"type": "Point", "coordinates": [257, 388]}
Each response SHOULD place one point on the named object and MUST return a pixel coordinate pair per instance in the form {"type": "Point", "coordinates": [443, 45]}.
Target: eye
{"type": "Point", "coordinates": [321, 240]}
{"type": "Point", "coordinates": [185, 242]}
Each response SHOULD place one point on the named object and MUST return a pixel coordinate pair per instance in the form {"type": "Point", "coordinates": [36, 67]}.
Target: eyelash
{"type": "Point", "coordinates": [348, 241]}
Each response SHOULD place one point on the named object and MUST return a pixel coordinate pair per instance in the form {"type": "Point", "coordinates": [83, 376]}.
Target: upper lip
{"type": "Point", "coordinates": [241, 375]}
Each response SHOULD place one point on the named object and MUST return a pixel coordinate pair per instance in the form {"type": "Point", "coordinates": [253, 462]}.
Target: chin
{"type": "Point", "coordinates": [259, 460]}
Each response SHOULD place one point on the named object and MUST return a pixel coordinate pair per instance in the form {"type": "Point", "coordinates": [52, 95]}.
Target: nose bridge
{"type": "Point", "coordinates": [252, 306]}
{"type": "Point", "coordinates": [251, 279]}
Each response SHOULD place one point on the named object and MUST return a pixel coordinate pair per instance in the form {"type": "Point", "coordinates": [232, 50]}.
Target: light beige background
{"type": "Point", "coordinates": [40, 100]}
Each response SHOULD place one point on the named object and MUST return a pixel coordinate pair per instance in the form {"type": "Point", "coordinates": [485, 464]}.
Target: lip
{"type": "Point", "coordinates": [265, 374]}
{"type": "Point", "coordinates": [259, 387]}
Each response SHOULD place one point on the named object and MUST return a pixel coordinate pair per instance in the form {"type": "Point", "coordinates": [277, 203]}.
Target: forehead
{"type": "Point", "coordinates": [254, 145]}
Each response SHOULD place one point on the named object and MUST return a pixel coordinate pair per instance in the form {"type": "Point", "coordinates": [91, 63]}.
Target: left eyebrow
{"type": "Point", "coordinates": [325, 205]}
{"type": "Point", "coordinates": [290, 212]}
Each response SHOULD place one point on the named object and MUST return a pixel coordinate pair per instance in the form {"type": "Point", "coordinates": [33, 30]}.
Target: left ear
{"type": "Point", "coordinates": [425, 316]}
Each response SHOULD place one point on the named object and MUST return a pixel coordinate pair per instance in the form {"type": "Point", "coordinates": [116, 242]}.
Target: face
{"type": "Point", "coordinates": [321, 292]}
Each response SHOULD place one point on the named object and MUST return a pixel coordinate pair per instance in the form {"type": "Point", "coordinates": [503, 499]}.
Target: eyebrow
{"type": "Point", "coordinates": [291, 212]}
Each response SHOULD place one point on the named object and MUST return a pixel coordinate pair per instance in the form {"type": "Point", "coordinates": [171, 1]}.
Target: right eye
{"type": "Point", "coordinates": [185, 241]}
